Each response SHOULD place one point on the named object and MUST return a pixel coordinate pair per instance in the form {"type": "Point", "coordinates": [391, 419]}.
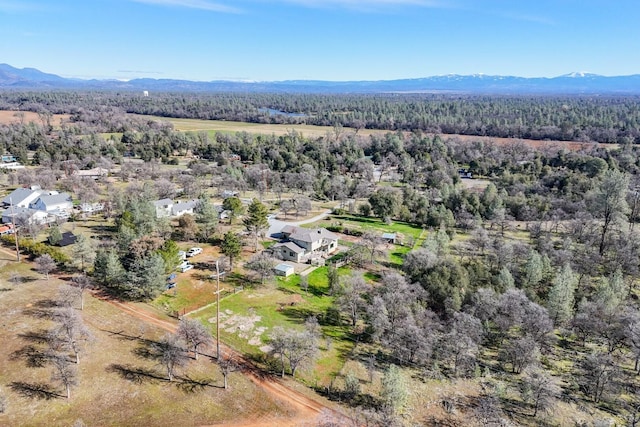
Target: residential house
{"type": "Point", "coordinates": [183, 208]}
{"type": "Point", "coordinates": [12, 165]}
{"type": "Point", "coordinates": [6, 229]}
{"type": "Point", "coordinates": [53, 202]}
{"type": "Point", "coordinates": [22, 197]}
{"type": "Point", "coordinates": [304, 244]}
{"type": "Point", "coordinates": [313, 240]}
{"type": "Point", "coordinates": [288, 251]}
{"type": "Point", "coordinates": [163, 208]}
{"type": "Point", "coordinates": [20, 215]}
{"type": "Point", "coordinates": [166, 208]}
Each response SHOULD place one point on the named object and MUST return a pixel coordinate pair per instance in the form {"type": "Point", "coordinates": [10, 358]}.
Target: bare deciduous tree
{"type": "Point", "coordinates": [171, 354]}
{"type": "Point", "coordinates": [64, 373]}
{"type": "Point", "coordinates": [81, 282]}
{"type": "Point", "coordinates": [227, 366]}
{"type": "Point", "coordinates": [599, 375]}
{"type": "Point", "coordinates": [45, 265]}
{"type": "Point", "coordinates": [72, 331]}
{"type": "Point", "coordinates": [539, 389]}
{"type": "Point", "coordinates": [195, 334]}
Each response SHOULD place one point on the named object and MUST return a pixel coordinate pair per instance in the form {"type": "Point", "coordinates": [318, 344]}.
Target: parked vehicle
{"type": "Point", "coordinates": [182, 254]}
{"type": "Point", "coordinates": [194, 251]}
{"type": "Point", "coordinates": [185, 266]}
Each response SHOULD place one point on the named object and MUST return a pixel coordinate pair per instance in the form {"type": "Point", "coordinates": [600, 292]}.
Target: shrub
{"type": "Point", "coordinates": [35, 249]}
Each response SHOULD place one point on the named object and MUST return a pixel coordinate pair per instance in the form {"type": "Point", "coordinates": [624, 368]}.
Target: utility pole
{"type": "Point", "coordinates": [217, 311]}
{"type": "Point", "coordinates": [15, 229]}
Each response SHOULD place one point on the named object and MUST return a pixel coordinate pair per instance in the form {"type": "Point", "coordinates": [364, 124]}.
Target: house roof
{"type": "Point", "coordinates": [288, 229]}
{"type": "Point", "coordinates": [291, 246]}
{"type": "Point", "coordinates": [311, 235]}
{"type": "Point", "coordinates": [389, 236]}
{"type": "Point", "coordinates": [162, 203]}
{"type": "Point", "coordinates": [18, 210]}
{"type": "Point", "coordinates": [54, 199]}
{"type": "Point", "coordinates": [182, 206]}
{"type": "Point", "coordinates": [19, 195]}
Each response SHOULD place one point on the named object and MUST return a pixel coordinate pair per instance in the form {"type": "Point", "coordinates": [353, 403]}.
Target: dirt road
{"type": "Point", "coordinates": [307, 410]}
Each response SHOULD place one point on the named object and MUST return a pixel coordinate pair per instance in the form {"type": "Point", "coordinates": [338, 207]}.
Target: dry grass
{"type": "Point", "coordinates": [118, 386]}
{"type": "Point", "coordinates": [7, 117]}
{"type": "Point", "coordinates": [317, 131]}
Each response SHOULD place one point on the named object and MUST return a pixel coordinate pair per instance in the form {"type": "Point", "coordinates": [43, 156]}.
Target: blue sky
{"type": "Point", "coordinates": [319, 39]}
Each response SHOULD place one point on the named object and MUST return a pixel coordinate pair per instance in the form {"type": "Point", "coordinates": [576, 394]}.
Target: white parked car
{"type": "Point", "coordinates": [194, 251]}
{"type": "Point", "coordinates": [185, 266]}
{"type": "Point", "coordinates": [182, 254]}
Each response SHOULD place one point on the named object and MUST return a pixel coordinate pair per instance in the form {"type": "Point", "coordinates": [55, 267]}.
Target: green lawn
{"type": "Point", "coordinates": [354, 222]}
{"type": "Point", "coordinates": [282, 303]}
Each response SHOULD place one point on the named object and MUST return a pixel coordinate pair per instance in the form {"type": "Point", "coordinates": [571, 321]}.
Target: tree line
{"type": "Point", "coordinates": [605, 119]}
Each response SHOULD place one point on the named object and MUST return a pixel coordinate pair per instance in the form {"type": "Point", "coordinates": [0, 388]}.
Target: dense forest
{"type": "Point", "coordinates": [605, 119]}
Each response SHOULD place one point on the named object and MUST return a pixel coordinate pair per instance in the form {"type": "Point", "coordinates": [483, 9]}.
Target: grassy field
{"type": "Point", "coordinates": [258, 128]}
{"type": "Point", "coordinates": [118, 384]}
{"type": "Point", "coordinates": [248, 317]}
{"type": "Point", "coordinates": [317, 131]}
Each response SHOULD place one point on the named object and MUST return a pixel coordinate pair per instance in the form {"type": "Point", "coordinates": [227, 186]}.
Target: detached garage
{"type": "Point", "coordinates": [284, 270]}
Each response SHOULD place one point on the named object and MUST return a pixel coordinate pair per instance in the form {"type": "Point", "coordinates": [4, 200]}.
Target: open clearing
{"type": "Point", "coordinates": [118, 384]}
{"type": "Point", "coordinates": [193, 125]}
{"type": "Point", "coordinates": [8, 116]}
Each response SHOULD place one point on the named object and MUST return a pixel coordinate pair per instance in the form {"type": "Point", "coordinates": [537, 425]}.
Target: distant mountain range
{"type": "Point", "coordinates": [573, 83]}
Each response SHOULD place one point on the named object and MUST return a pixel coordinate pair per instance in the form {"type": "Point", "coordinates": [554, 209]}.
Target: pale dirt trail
{"type": "Point", "coordinates": [307, 409]}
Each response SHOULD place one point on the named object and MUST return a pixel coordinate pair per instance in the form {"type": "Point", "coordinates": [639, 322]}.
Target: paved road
{"type": "Point", "coordinates": [276, 225]}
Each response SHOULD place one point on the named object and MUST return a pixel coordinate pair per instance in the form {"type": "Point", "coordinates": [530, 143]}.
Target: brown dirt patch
{"type": "Point", "coordinates": [7, 117]}
{"type": "Point", "coordinates": [531, 143]}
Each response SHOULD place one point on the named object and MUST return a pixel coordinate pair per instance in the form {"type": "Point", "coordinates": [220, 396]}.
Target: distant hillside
{"type": "Point", "coordinates": [573, 83]}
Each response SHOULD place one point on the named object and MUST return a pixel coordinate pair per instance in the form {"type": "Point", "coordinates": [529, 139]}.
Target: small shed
{"type": "Point", "coordinates": [68, 238]}
{"type": "Point", "coordinates": [390, 238]}
{"type": "Point", "coordinates": [284, 270]}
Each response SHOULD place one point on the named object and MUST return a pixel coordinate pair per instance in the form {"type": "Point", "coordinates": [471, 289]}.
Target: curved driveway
{"type": "Point", "coordinates": [276, 225]}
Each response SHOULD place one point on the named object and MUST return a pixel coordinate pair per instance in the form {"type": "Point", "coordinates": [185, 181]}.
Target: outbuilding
{"type": "Point", "coordinates": [284, 270]}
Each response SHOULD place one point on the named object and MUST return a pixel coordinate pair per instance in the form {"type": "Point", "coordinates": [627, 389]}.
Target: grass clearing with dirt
{"type": "Point", "coordinates": [118, 384]}
{"type": "Point", "coordinates": [248, 317]}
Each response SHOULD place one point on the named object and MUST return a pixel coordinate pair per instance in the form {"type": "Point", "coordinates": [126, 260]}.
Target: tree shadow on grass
{"type": "Point", "coordinates": [299, 314]}
{"type": "Point", "coordinates": [40, 336]}
{"type": "Point", "coordinates": [34, 390]}
{"type": "Point", "coordinates": [136, 374]}
{"type": "Point", "coordinates": [33, 356]}
{"type": "Point", "coordinates": [126, 337]}
{"type": "Point", "coordinates": [42, 309]}
{"type": "Point", "coordinates": [192, 385]}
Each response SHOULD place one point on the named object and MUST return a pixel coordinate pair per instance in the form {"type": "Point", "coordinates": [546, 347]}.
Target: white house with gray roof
{"type": "Point", "coordinates": [23, 216]}
{"type": "Point", "coordinates": [53, 203]}
{"type": "Point", "coordinates": [22, 197]}
{"type": "Point", "coordinates": [302, 244]}
{"type": "Point", "coordinates": [166, 208]}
